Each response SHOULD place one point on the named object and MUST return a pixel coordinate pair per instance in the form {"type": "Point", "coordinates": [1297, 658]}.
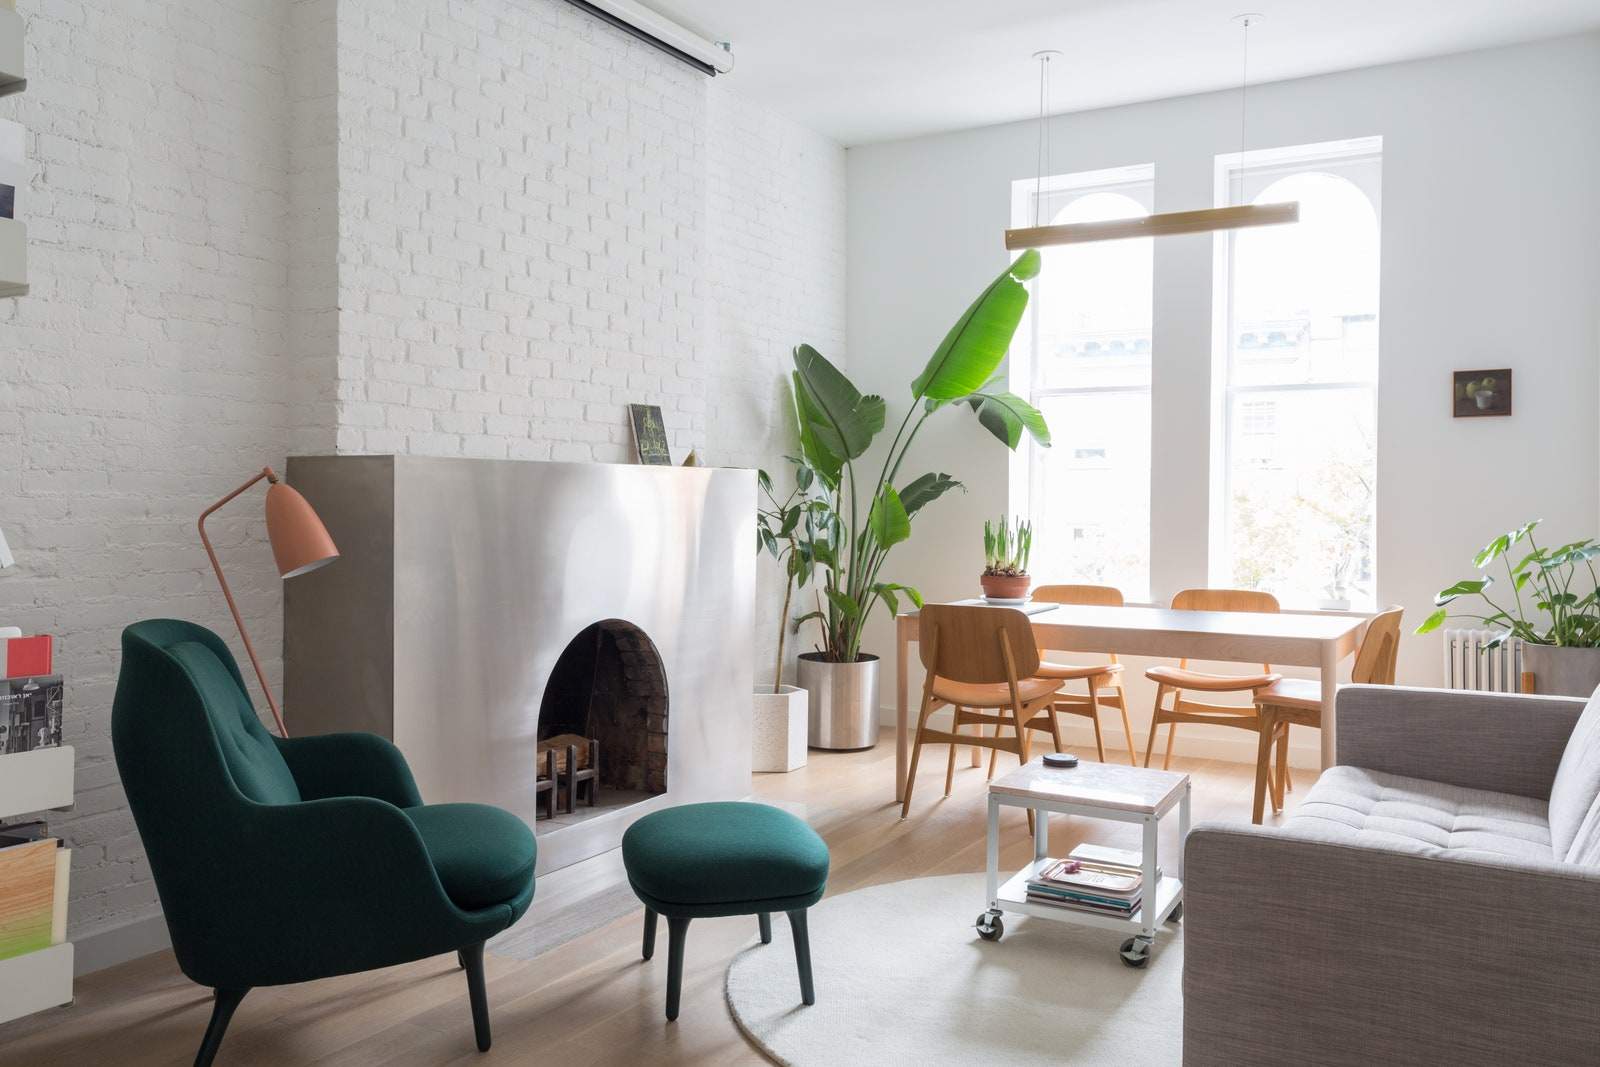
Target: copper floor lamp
{"type": "Point", "coordinates": [300, 544]}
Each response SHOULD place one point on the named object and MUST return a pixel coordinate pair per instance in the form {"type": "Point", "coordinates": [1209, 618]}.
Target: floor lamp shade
{"type": "Point", "coordinates": [300, 543]}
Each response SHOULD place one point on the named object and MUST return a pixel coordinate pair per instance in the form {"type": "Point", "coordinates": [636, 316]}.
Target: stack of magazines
{"type": "Point", "coordinates": [1096, 882]}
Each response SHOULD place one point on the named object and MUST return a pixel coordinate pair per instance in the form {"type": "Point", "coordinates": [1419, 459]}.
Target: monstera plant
{"type": "Point", "coordinates": [843, 540]}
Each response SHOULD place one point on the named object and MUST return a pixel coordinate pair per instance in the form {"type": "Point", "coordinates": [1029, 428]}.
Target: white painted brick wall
{"type": "Point", "coordinates": [143, 377]}
{"type": "Point", "coordinates": [543, 220]}
{"type": "Point", "coordinates": [523, 223]}
{"type": "Point", "coordinates": [474, 227]}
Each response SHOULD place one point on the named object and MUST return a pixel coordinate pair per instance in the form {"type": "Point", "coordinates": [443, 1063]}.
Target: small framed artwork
{"type": "Point", "coordinates": [650, 435]}
{"type": "Point", "coordinates": [1481, 392]}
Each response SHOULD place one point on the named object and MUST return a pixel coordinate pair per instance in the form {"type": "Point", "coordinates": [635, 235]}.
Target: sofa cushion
{"type": "Point", "coordinates": [483, 855]}
{"type": "Point", "coordinates": [1574, 832]}
{"type": "Point", "coordinates": [1371, 809]}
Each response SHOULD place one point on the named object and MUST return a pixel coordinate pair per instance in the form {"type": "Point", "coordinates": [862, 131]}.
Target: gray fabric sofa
{"type": "Point", "coordinates": [1435, 899]}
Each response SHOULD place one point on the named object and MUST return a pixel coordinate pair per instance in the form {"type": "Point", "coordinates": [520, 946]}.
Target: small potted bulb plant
{"type": "Point", "coordinates": [1005, 554]}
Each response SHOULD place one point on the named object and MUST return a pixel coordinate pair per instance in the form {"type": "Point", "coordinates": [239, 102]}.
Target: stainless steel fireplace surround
{"type": "Point", "coordinates": [461, 581]}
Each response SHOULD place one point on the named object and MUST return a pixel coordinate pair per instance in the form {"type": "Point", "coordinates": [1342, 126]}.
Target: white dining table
{"type": "Point", "coordinates": [1297, 639]}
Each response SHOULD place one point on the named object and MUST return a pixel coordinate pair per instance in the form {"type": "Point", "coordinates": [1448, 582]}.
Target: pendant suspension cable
{"type": "Point", "coordinates": [1169, 223]}
{"type": "Point", "coordinates": [1244, 22]}
{"type": "Point", "coordinates": [1042, 150]}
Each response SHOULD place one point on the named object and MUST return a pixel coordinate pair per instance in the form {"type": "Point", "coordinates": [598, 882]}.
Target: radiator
{"type": "Point", "coordinates": [1470, 664]}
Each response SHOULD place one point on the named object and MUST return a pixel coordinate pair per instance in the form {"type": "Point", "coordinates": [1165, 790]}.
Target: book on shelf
{"type": "Point", "coordinates": [30, 713]}
{"type": "Point", "coordinates": [25, 656]}
{"type": "Point", "coordinates": [1115, 910]}
{"type": "Point", "coordinates": [28, 880]}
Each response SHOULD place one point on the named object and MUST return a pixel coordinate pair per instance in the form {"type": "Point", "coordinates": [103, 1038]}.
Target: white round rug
{"type": "Point", "coordinates": [902, 978]}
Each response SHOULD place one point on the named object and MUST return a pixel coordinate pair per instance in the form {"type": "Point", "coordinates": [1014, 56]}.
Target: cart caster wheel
{"type": "Point", "coordinates": [1135, 953]}
{"type": "Point", "coordinates": [1177, 914]}
{"type": "Point", "coordinates": [990, 928]}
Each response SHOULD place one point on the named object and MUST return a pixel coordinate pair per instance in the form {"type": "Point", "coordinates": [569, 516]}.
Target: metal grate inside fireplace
{"type": "Point", "coordinates": [609, 687]}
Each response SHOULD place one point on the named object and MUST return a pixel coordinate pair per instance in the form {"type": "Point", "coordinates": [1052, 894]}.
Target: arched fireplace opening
{"type": "Point", "coordinates": [602, 725]}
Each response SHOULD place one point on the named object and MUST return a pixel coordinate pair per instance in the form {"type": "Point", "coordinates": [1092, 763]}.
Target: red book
{"type": "Point", "coordinates": [26, 657]}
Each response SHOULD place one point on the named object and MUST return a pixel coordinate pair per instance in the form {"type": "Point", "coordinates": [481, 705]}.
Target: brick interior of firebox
{"type": "Point", "coordinates": [609, 685]}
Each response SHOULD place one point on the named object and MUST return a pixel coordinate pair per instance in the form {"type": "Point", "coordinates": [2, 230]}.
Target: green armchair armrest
{"type": "Point", "coordinates": [320, 888]}
{"type": "Point", "coordinates": [349, 765]}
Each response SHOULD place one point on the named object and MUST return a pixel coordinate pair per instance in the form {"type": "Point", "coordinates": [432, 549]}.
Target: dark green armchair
{"type": "Point", "coordinates": [282, 861]}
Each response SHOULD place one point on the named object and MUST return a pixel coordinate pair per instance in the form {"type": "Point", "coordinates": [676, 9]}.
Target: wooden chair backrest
{"type": "Point", "coordinates": [1375, 660]}
{"type": "Point", "coordinates": [971, 644]}
{"type": "Point", "coordinates": [1102, 596]}
{"type": "Point", "coordinates": [1225, 600]}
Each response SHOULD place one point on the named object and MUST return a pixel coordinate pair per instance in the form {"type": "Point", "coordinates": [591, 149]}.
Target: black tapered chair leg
{"type": "Point", "coordinates": [222, 1007]}
{"type": "Point", "coordinates": [461, 960]}
{"type": "Point", "coordinates": [802, 954]}
{"type": "Point", "coordinates": [472, 959]}
{"type": "Point", "coordinates": [649, 932]}
{"type": "Point", "coordinates": [677, 934]}
{"type": "Point", "coordinates": [766, 927]}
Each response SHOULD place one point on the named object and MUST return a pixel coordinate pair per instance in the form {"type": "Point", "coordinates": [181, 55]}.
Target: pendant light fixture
{"type": "Point", "coordinates": [1169, 223]}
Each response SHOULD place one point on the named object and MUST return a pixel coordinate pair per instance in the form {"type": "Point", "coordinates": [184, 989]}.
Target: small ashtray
{"type": "Point", "coordinates": [1060, 759]}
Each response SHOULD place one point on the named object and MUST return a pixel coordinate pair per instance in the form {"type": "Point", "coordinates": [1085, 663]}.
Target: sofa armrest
{"type": "Point", "coordinates": [1503, 742]}
{"type": "Point", "coordinates": [1301, 949]}
{"type": "Point", "coordinates": [349, 765]}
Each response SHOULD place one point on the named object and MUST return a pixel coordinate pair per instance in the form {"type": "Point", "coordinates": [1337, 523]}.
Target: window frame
{"type": "Point", "coordinates": [1138, 182]}
{"type": "Point", "coordinates": [1239, 178]}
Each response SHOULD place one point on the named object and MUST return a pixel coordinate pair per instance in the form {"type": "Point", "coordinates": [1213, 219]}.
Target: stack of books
{"type": "Point", "coordinates": [1095, 879]}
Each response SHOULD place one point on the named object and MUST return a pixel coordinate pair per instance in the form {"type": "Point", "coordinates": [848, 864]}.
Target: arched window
{"type": "Point", "coordinates": [1088, 347]}
{"type": "Point", "coordinates": [1299, 470]}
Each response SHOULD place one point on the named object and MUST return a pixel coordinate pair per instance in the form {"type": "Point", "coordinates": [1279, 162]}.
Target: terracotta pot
{"type": "Point", "coordinates": [1005, 587]}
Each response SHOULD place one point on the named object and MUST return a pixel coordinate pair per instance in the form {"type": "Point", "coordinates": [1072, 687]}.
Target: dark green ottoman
{"type": "Point", "coordinates": [700, 861]}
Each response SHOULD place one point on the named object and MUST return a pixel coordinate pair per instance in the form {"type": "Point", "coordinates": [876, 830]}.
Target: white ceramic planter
{"type": "Point", "coordinates": [779, 735]}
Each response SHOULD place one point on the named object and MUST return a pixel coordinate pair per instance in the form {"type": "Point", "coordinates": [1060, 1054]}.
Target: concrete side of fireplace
{"type": "Point", "coordinates": [460, 583]}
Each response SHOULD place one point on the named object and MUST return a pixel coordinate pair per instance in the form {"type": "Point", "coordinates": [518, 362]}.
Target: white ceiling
{"type": "Point", "coordinates": [874, 70]}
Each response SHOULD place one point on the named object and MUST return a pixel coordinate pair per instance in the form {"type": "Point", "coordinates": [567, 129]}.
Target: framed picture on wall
{"type": "Point", "coordinates": [650, 435]}
{"type": "Point", "coordinates": [1481, 392]}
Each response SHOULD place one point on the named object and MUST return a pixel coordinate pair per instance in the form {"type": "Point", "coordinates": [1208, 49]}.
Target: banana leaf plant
{"type": "Point", "coordinates": [1543, 580]}
{"type": "Point", "coordinates": [843, 544]}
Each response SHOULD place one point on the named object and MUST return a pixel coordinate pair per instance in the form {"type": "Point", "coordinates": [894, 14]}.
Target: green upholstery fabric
{"type": "Point", "coordinates": [483, 855]}
{"type": "Point", "coordinates": [285, 861]}
{"type": "Point", "coordinates": [724, 858]}
{"type": "Point", "coordinates": [248, 751]}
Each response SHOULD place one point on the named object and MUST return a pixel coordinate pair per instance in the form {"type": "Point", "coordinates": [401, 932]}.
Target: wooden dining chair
{"type": "Point", "coordinates": [1180, 680]}
{"type": "Point", "coordinates": [1104, 679]}
{"type": "Point", "coordinates": [982, 662]}
{"type": "Point", "coordinates": [1298, 702]}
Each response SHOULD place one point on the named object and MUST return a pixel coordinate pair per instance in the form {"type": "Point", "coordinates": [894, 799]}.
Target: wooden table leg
{"type": "Point", "coordinates": [901, 666]}
{"type": "Point", "coordinates": [1330, 687]}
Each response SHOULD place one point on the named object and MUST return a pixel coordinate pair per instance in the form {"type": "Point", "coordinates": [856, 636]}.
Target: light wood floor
{"type": "Point", "coordinates": [592, 1000]}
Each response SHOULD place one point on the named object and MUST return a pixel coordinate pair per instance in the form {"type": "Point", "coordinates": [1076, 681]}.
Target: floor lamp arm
{"type": "Point", "coordinates": [271, 476]}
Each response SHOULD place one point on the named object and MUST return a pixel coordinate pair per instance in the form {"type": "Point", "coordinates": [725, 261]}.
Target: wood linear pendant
{"type": "Point", "coordinates": [1164, 225]}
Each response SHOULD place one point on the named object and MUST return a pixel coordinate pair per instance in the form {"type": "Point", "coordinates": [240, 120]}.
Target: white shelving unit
{"type": "Point", "coordinates": [13, 79]}
{"type": "Point", "coordinates": [35, 782]}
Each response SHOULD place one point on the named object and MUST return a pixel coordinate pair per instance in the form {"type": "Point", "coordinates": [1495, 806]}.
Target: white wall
{"type": "Point", "coordinates": [145, 374]}
{"type": "Point", "coordinates": [1491, 257]}
{"type": "Point", "coordinates": [472, 227]}
{"type": "Point", "coordinates": [542, 220]}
